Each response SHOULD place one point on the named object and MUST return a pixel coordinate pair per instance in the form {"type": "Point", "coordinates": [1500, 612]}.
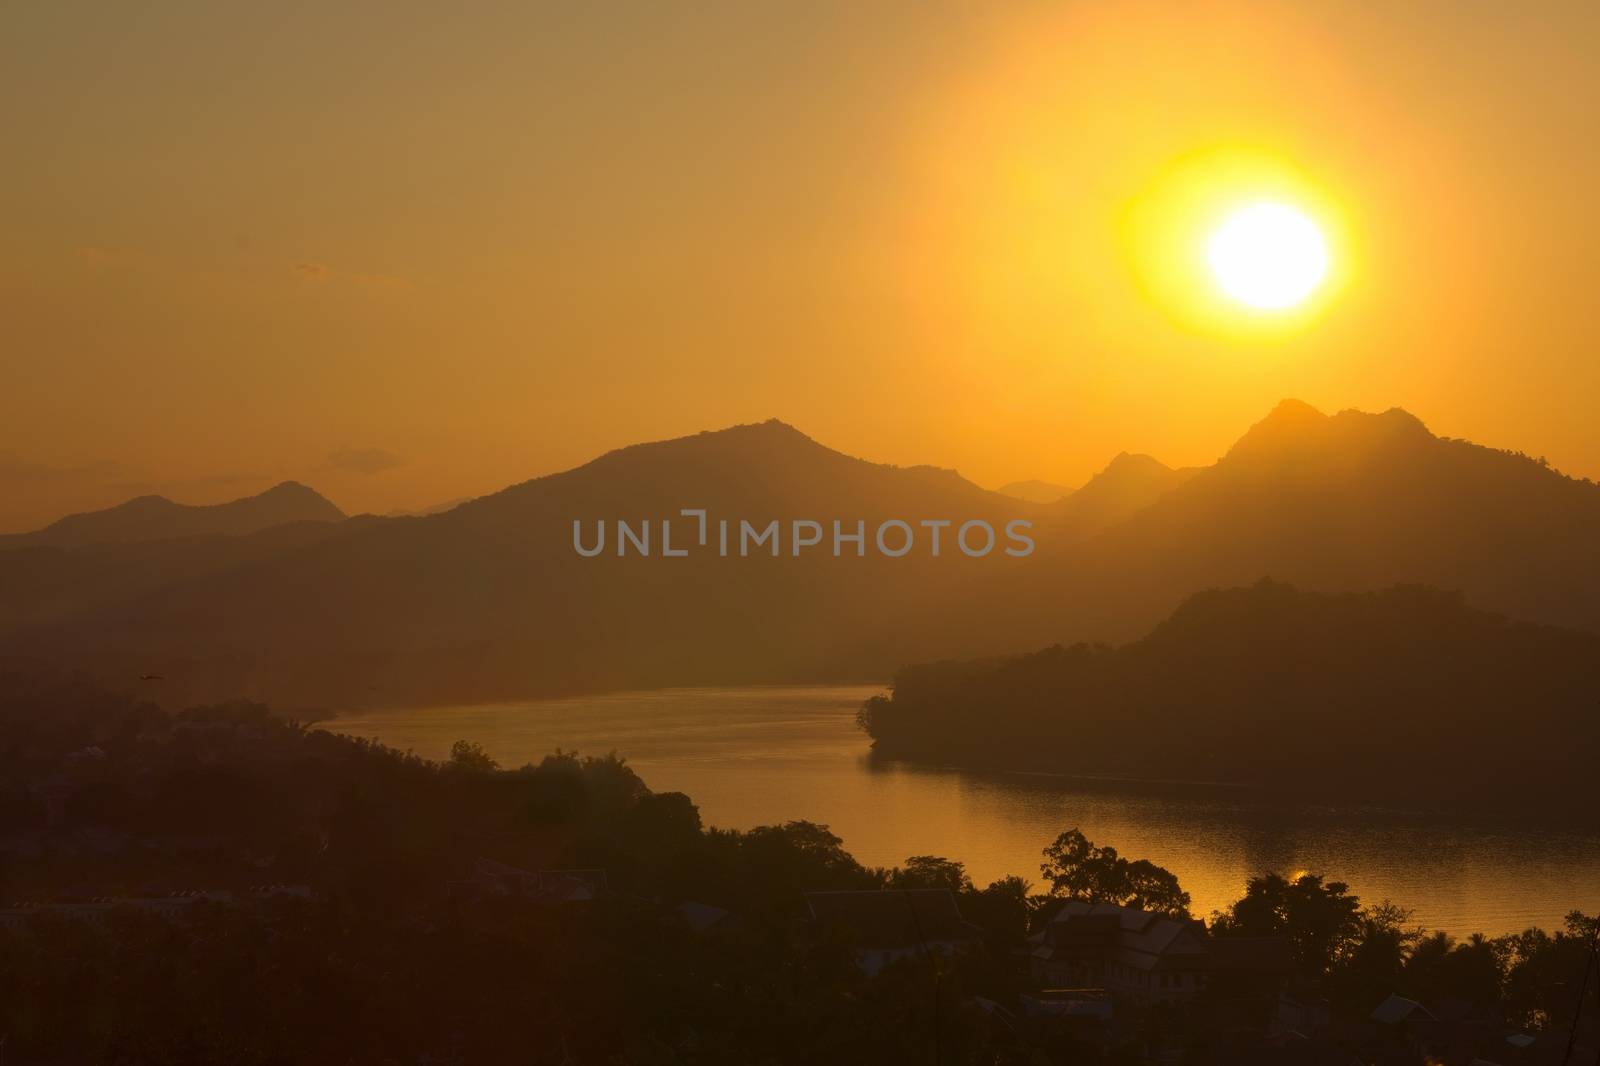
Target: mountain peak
{"type": "Point", "coordinates": [1296, 428]}
{"type": "Point", "coordinates": [1396, 420]}
{"type": "Point", "coordinates": [772, 428]}
{"type": "Point", "coordinates": [152, 517]}
{"type": "Point", "coordinates": [285, 490]}
{"type": "Point", "coordinates": [1132, 464]}
{"type": "Point", "coordinates": [1034, 490]}
{"type": "Point", "coordinates": [1288, 424]}
{"type": "Point", "coordinates": [764, 437]}
{"type": "Point", "coordinates": [1128, 484]}
{"type": "Point", "coordinates": [295, 499]}
{"type": "Point", "coordinates": [149, 501]}
{"type": "Point", "coordinates": [1288, 416]}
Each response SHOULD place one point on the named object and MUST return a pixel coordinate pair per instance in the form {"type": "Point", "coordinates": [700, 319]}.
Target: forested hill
{"type": "Point", "coordinates": [1403, 693]}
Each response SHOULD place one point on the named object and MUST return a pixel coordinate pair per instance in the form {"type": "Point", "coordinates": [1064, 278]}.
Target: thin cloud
{"type": "Point", "coordinates": [313, 271]}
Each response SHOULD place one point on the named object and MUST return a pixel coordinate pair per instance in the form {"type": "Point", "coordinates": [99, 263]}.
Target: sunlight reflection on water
{"type": "Point", "coordinates": [756, 755]}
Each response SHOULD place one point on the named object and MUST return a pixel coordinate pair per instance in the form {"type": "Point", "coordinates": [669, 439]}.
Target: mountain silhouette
{"type": "Point", "coordinates": [1128, 485]}
{"type": "Point", "coordinates": [1035, 491]}
{"type": "Point", "coordinates": [1398, 694]}
{"type": "Point", "coordinates": [148, 518]}
{"type": "Point", "coordinates": [45, 585]}
{"type": "Point", "coordinates": [437, 508]}
{"type": "Point", "coordinates": [1355, 501]}
{"type": "Point", "coordinates": [491, 600]}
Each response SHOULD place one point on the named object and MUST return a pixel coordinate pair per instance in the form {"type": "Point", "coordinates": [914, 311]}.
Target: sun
{"type": "Point", "coordinates": [1239, 243]}
{"type": "Point", "coordinates": [1268, 256]}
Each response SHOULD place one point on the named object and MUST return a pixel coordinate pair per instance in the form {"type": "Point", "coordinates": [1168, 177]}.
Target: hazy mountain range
{"type": "Point", "coordinates": [1035, 491]}
{"type": "Point", "coordinates": [489, 599]}
{"type": "Point", "coordinates": [147, 518]}
{"type": "Point", "coordinates": [91, 561]}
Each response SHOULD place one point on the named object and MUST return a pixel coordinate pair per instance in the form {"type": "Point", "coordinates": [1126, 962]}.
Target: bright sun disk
{"type": "Point", "coordinates": [1268, 256]}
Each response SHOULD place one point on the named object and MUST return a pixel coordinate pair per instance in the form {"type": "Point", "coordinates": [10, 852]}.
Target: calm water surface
{"type": "Point", "coordinates": [760, 755]}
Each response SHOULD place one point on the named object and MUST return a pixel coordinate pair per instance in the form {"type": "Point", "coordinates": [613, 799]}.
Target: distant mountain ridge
{"type": "Point", "coordinates": [490, 600]}
{"type": "Point", "coordinates": [437, 508]}
{"type": "Point", "coordinates": [148, 518]}
{"type": "Point", "coordinates": [1035, 491]}
{"type": "Point", "coordinates": [45, 585]}
{"type": "Point", "coordinates": [1129, 484]}
{"type": "Point", "coordinates": [1358, 501]}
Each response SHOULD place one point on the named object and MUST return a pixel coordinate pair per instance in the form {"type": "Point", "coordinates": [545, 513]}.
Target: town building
{"type": "Point", "coordinates": [889, 924]}
{"type": "Point", "coordinates": [1149, 957]}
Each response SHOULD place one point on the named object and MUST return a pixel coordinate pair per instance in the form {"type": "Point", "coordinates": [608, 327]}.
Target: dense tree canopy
{"type": "Point", "coordinates": [1321, 919]}
{"type": "Point", "coordinates": [1302, 692]}
{"type": "Point", "coordinates": [384, 960]}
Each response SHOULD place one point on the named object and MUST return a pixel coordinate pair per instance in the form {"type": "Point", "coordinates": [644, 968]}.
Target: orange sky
{"type": "Point", "coordinates": [405, 252]}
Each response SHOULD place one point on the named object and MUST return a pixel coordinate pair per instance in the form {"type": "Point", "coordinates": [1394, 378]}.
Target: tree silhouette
{"type": "Point", "coordinates": [1077, 869]}
{"type": "Point", "coordinates": [1322, 920]}
{"type": "Point", "coordinates": [469, 755]}
{"type": "Point", "coordinates": [931, 871]}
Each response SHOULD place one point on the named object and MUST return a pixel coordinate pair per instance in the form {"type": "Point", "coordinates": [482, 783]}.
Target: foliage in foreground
{"type": "Point", "coordinates": [384, 963]}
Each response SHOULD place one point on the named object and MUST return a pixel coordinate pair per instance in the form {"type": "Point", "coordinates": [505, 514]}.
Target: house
{"type": "Point", "coordinates": [884, 925]}
{"type": "Point", "coordinates": [1293, 1049]}
{"type": "Point", "coordinates": [1398, 1011]}
{"type": "Point", "coordinates": [1303, 1014]}
{"type": "Point", "coordinates": [20, 914]}
{"type": "Point", "coordinates": [703, 917]}
{"type": "Point", "coordinates": [1072, 1003]}
{"type": "Point", "coordinates": [273, 891]}
{"type": "Point", "coordinates": [1076, 1016]}
{"type": "Point", "coordinates": [1130, 953]}
{"type": "Point", "coordinates": [571, 886]}
{"type": "Point", "coordinates": [174, 905]}
{"type": "Point", "coordinates": [1141, 955]}
{"type": "Point", "coordinates": [1447, 1031]}
{"type": "Point", "coordinates": [491, 878]}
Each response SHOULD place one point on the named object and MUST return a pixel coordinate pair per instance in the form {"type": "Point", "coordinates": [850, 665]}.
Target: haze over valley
{"type": "Point", "coordinates": [279, 598]}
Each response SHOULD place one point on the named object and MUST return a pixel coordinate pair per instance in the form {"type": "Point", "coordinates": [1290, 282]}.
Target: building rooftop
{"type": "Point", "coordinates": [1397, 1009]}
{"type": "Point", "coordinates": [1138, 938]}
{"type": "Point", "coordinates": [892, 918]}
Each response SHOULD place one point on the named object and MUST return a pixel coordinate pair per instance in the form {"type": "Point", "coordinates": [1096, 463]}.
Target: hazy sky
{"type": "Point", "coordinates": [411, 251]}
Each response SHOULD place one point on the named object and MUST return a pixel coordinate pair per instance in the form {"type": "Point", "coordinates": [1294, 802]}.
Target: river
{"type": "Point", "coordinates": [759, 755]}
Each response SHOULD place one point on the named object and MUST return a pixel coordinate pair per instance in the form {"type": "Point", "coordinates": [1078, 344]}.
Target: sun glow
{"type": "Point", "coordinates": [1238, 243]}
{"type": "Point", "coordinates": [1268, 256]}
